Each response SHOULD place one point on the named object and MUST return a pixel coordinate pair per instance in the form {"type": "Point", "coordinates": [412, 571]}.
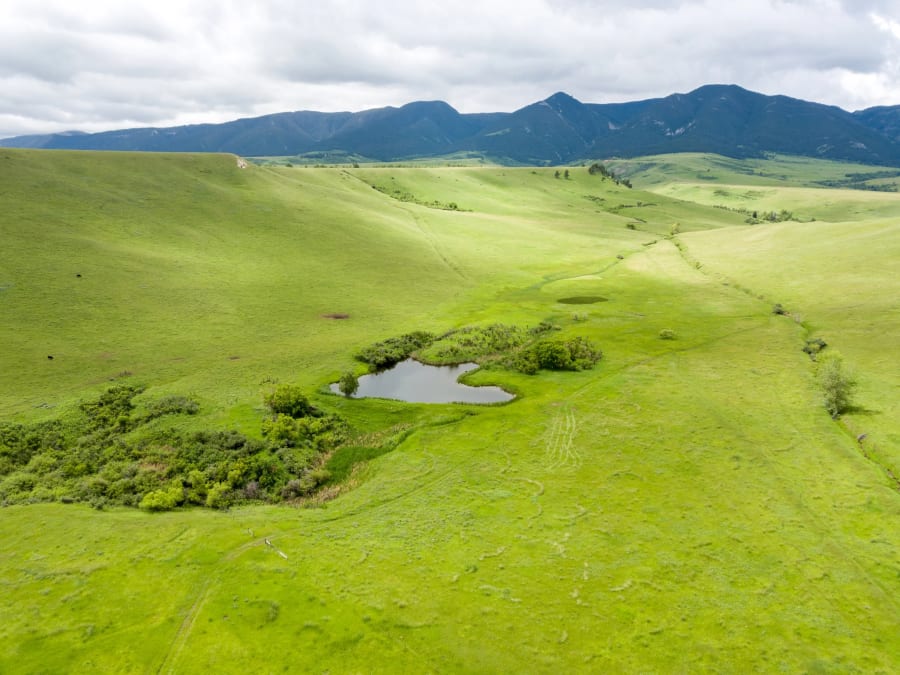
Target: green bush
{"type": "Point", "coordinates": [17, 485]}
{"type": "Point", "coordinates": [165, 499]}
{"type": "Point", "coordinates": [219, 496]}
{"type": "Point", "coordinates": [837, 384]}
{"type": "Point", "coordinates": [107, 454]}
{"type": "Point", "coordinates": [667, 334]}
{"type": "Point", "coordinates": [814, 347]}
{"type": "Point", "coordinates": [172, 405]}
{"type": "Point", "coordinates": [348, 384]}
{"type": "Point", "coordinates": [112, 409]}
{"type": "Point", "coordinates": [574, 354]}
{"type": "Point", "coordinates": [288, 399]}
{"type": "Point", "coordinates": [394, 350]}
{"type": "Point", "coordinates": [552, 356]}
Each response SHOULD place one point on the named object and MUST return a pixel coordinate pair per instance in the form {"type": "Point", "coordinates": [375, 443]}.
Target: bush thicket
{"type": "Point", "coordinates": [388, 352]}
{"type": "Point", "coordinates": [574, 354]}
{"type": "Point", "coordinates": [110, 453]}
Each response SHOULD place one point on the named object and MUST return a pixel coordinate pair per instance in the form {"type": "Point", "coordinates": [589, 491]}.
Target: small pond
{"type": "Point", "coordinates": [420, 383]}
{"type": "Point", "coordinates": [582, 300]}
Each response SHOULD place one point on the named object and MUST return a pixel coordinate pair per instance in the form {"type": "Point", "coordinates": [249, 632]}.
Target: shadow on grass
{"type": "Point", "coordinates": [862, 411]}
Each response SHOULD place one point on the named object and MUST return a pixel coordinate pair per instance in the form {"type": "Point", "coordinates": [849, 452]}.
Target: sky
{"type": "Point", "coordinates": [97, 65]}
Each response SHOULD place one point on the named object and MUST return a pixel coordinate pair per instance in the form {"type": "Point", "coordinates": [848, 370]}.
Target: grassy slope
{"type": "Point", "coordinates": [824, 273]}
{"type": "Point", "coordinates": [189, 262]}
{"type": "Point", "coordinates": [688, 505]}
{"type": "Point", "coordinates": [836, 272]}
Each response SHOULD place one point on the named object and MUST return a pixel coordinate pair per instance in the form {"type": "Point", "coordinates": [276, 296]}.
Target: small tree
{"type": "Point", "coordinates": [348, 384]}
{"type": "Point", "coordinates": [288, 399]}
{"type": "Point", "coordinates": [837, 384]}
{"type": "Point", "coordinates": [566, 174]}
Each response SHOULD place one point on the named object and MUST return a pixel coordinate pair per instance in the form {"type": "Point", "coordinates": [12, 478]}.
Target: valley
{"type": "Point", "coordinates": [686, 504]}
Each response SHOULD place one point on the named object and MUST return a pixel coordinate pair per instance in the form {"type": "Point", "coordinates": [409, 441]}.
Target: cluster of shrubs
{"type": "Point", "coordinates": [108, 453]}
{"type": "Point", "coordinates": [814, 347]}
{"type": "Point", "coordinates": [402, 196]}
{"type": "Point", "coordinates": [574, 354]}
{"type": "Point", "coordinates": [496, 345]}
{"type": "Point", "coordinates": [755, 217]}
{"type": "Point", "coordinates": [388, 352]}
{"type": "Point", "coordinates": [477, 343]}
{"type": "Point", "coordinates": [600, 169]}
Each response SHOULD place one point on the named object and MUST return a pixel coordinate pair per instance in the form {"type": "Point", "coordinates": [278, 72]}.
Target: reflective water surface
{"type": "Point", "coordinates": [420, 383]}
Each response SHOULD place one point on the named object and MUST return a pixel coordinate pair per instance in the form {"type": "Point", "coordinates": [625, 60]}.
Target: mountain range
{"type": "Point", "coordinates": [723, 119]}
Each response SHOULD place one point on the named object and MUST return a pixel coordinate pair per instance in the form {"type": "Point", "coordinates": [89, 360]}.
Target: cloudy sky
{"type": "Point", "coordinates": [107, 64]}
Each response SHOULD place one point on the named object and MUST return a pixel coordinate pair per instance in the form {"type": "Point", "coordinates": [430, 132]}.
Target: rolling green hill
{"type": "Point", "coordinates": [686, 505]}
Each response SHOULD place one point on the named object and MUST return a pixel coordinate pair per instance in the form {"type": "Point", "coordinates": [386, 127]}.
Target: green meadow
{"type": "Point", "coordinates": [686, 505]}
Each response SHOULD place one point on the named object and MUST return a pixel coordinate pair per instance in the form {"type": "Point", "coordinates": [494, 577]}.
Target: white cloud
{"type": "Point", "coordinates": [107, 64]}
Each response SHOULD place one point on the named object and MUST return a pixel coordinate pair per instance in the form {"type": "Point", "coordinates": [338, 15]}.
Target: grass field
{"type": "Point", "coordinates": [688, 505]}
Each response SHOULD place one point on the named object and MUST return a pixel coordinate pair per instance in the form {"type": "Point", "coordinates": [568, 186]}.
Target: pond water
{"type": "Point", "coordinates": [420, 383]}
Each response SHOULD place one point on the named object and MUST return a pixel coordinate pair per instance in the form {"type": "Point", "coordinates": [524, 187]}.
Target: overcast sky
{"type": "Point", "coordinates": [98, 65]}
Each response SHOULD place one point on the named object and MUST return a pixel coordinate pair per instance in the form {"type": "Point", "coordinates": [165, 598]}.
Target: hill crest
{"type": "Point", "coordinates": [720, 118]}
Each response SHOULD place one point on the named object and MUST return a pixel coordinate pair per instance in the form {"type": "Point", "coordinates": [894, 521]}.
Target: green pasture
{"type": "Point", "coordinates": [687, 505]}
{"type": "Point", "coordinates": [708, 169]}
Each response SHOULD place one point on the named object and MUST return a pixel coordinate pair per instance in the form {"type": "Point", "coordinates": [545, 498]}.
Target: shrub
{"type": "Point", "coordinates": [837, 384]}
{"type": "Point", "coordinates": [575, 354]}
{"type": "Point", "coordinates": [814, 346]}
{"type": "Point", "coordinates": [667, 334]}
{"type": "Point", "coordinates": [165, 499]}
{"type": "Point", "coordinates": [552, 355]}
{"type": "Point", "coordinates": [112, 409]}
{"type": "Point", "coordinates": [348, 384]}
{"type": "Point", "coordinates": [172, 405]}
{"type": "Point", "coordinates": [526, 362]}
{"type": "Point", "coordinates": [314, 479]}
{"type": "Point", "coordinates": [288, 399]}
{"type": "Point", "coordinates": [282, 431]}
{"type": "Point", "coordinates": [197, 490]}
{"type": "Point", "coordinates": [292, 490]}
{"type": "Point", "coordinates": [779, 309]}
{"type": "Point", "coordinates": [17, 485]}
{"type": "Point", "coordinates": [393, 350]}
{"type": "Point", "coordinates": [219, 496]}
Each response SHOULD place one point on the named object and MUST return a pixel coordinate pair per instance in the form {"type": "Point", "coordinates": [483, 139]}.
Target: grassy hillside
{"type": "Point", "coordinates": [198, 276]}
{"type": "Point", "coordinates": [687, 505]}
{"type": "Point", "coordinates": [704, 168]}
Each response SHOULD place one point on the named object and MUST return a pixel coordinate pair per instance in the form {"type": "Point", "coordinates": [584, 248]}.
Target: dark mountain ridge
{"type": "Point", "coordinates": [722, 119]}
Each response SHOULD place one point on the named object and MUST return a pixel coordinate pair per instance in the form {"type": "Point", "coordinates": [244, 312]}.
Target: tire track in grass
{"type": "Point", "coordinates": [560, 447]}
{"type": "Point", "coordinates": [187, 624]}
{"type": "Point", "coordinates": [184, 630]}
{"type": "Point", "coordinates": [422, 480]}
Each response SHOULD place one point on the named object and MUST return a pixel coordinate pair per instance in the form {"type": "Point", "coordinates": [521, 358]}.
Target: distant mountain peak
{"type": "Point", "coordinates": [442, 106]}
{"type": "Point", "coordinates": [561, 97]}
{"type": "Point", "coordinates": [718, 118]}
